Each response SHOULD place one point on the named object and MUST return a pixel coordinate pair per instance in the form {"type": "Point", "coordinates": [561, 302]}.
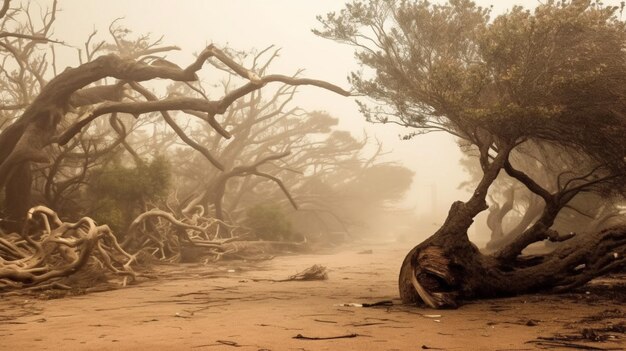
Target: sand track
{"type": "Point", "coordinates": [209, 308]}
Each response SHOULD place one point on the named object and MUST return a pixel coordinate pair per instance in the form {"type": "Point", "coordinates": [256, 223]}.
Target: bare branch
{"type": "Point", "coordinates": [281, 185]}
{"type": "Point", "coordinates": [5, 8]}
{"type": "Point", "coordinates": [181, 134]}
{"type": "Point", "coordinates": [527, 181]}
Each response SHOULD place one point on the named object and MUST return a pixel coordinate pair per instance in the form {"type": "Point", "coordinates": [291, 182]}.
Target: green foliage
{"type": "Point", "coordinates": [110, 212]}
{"type": "Point", "coordinates": [557, 74]}
{"type": "Point", "coordinates": [269, 222]}
{"type": "Point", "coordinates": [146, 181]}
{"type": "Point", "coordinates": [553, 76]}
{"type": "Point", "coordinates": [120, 193]}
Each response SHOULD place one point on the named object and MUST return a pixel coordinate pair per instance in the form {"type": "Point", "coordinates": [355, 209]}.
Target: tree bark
{"type": "Point", "coordinates": [534, 210]}
{"type": "Point", "coordinates": [25, 140]}
{"type": "Point", "coordinates": [441, 276]}
{"type": "Point", "coordinates": [17, 197]}
{"type": "Point", "coordinates": [447, 268]}
{"type": "Point", "coordinates": [497, 213]}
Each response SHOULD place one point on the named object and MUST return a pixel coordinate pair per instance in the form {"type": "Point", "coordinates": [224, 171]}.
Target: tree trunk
{"type": "Point", "coordinates": [534, 210]}
{"type": "Point", "coordinates": [496, 216]}
{"type": "Point", "coordinates": [447, 268]}
{"type": "Point", "coordinates": [433, 271]}
{"type": "Point", "coordinates": [443, 270]}
{"type": "Point", "coordinates": [17, 197]}
{"type": "Point", "coordinates": [217, 196]}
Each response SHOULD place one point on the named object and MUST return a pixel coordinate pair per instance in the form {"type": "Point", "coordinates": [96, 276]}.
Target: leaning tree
{"type": "Point", "coordinates": [555, 76]}
{"type": "Point", "coordinates": [513, 208]}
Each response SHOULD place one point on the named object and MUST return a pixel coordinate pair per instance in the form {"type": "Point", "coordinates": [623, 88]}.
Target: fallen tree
{"type": "Point", "coordinates": [48, 250]}
{"type": "Point", "coordinates": [167, 235]}
{"type": "Point", "coordinates": [553, 78]}
{"type": "Point", "coordinates": [197, 237]}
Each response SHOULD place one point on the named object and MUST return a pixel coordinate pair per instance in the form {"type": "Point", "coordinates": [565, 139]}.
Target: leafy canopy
{"type": "Point", "coordinates": [557, 74]}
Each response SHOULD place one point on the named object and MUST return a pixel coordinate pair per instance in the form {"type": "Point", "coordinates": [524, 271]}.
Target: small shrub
{"type": "Point", "coordinates": [119, 193]}
{"type": "Point", "coordinates": [268, 222]}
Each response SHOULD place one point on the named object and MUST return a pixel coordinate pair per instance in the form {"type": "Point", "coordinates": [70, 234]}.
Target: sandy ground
{"type": "Point", "coordinates": [222, 308]}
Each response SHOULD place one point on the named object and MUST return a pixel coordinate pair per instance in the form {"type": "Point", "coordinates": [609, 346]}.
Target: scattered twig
{"type": "Point", "coordinates": [379, 303]}
{"type": "Point", "coordinates": [315, 272]}
{"type": "Point", "coordinates": [347, 336]}
{"type": "Point", "coordinates": [367, 324]}
{"type": "Point", "coordinates": [570, 345]}
{"type": "Point", "coordinates": [229, 343]}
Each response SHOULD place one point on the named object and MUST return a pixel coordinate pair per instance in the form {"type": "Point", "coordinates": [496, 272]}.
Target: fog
{"type": "Point", "coordinates": [246, 25]}
{"type": "Point", "coordinates": [191, 191]}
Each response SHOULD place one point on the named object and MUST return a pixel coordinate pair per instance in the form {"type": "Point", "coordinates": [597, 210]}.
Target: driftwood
{"type": "Point", "coordinates": [196, 238]}
{"type": "Point", "coordinates": [48, 249]}
{"type": "Point", "coordinates": [315, 272]}
{"type": "Point", "coordinates": [166, 237]}
{"type": "Point", "coordinates": [49, 254]}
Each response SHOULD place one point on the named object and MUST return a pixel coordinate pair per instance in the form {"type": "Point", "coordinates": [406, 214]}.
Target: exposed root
{"type": "Point", "coordinates": [195, 238]}
{"type": "Point", "coordinates": [439, 273]}
{"type": "Point", "coordinates": [49, 249]}
{"type": "Point", "coordinates": [169, 239]}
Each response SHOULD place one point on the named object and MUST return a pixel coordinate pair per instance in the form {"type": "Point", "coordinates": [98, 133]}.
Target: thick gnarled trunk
{"type": "Point", "coordinates": [442, 271]}
{"type": "Point", "coordinates": [432, 272]}
{"type": "Point", "coordinates": [447, 268]}
{"type": "Point", "coordinates": [429, 272]}
{"type": "Point", "coordinates": [17, 197]}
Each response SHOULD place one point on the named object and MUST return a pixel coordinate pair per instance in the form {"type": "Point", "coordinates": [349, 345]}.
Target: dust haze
{"type": "Point", "coordinates": [245, 174]}
{"type": "Point", "coordinates": [287, 25]}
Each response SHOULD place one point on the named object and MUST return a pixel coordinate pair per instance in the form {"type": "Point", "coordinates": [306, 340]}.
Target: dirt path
{"type": "Point", "coordinates": [210, 308]}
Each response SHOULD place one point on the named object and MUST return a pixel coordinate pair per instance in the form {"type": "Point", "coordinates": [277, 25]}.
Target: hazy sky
{"type": "Point", "coordinates": [247, 24]}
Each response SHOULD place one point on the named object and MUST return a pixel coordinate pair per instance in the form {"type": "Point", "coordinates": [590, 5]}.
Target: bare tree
{"type": "Point", "coordinates": [24, 140]}
{"type": "Point", "coordinates": [40, 116]}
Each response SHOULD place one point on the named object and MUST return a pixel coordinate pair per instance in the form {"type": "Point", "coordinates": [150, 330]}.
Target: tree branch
{"type": "Point", "coordinates": [280, 184]}
{"type": "Point", "coordinates": [5, 8]}
{"type": "Point", "coordinates": [181, 133]}
{"type": "Point", "coordinates": [527, 181]}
